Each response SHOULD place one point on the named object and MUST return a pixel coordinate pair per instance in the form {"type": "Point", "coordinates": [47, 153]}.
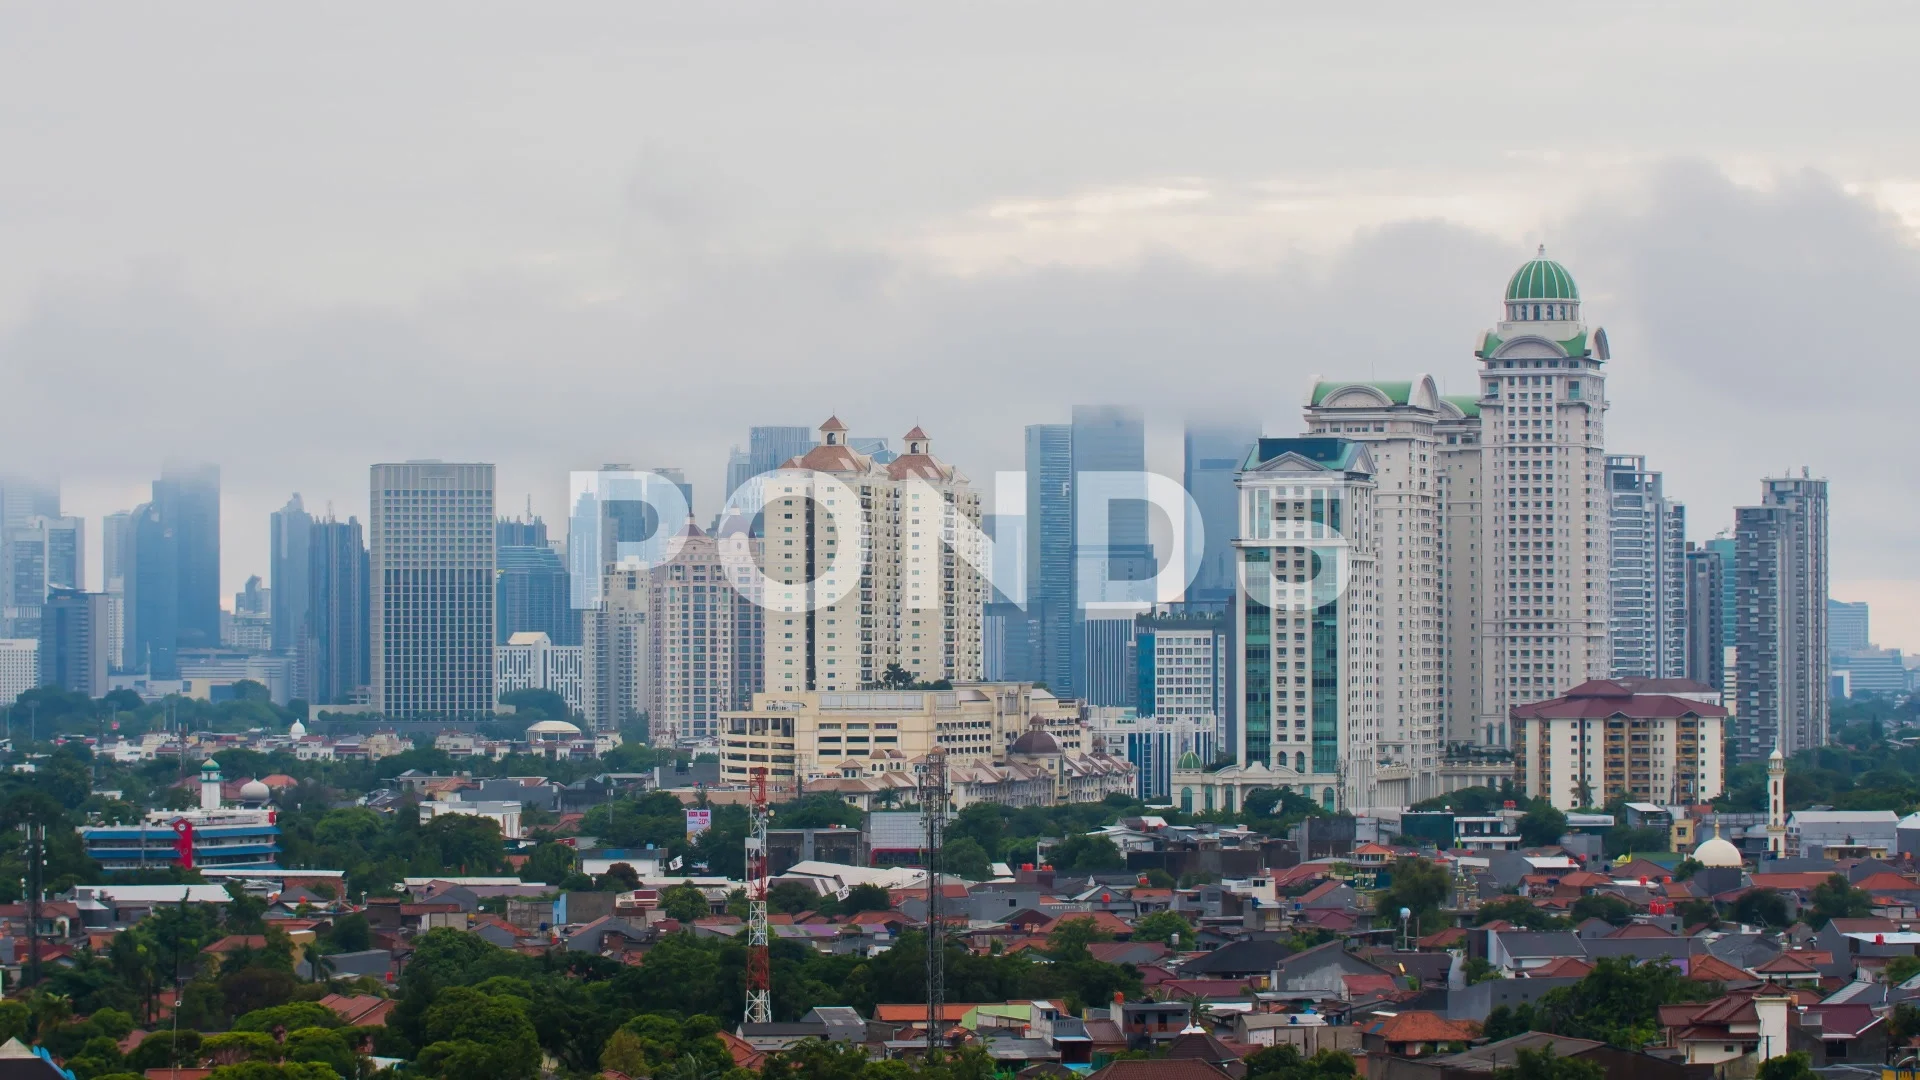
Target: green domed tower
{"type": "Point", "coordinates": [1542, 291]}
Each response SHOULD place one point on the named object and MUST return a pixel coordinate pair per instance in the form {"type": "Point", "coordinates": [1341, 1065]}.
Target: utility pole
{"type": "Point", "coordinates": [933, 810]}
{"type": "Point", "coordinates": [36, 880]}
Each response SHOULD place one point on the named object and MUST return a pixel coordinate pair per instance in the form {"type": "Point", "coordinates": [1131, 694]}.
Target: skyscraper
{"type": "Point", "coordinates": [1113, 556]}
{"type": "Point", "coordinates": [23, 498]}
{"type": "Point", "coordinates": [1214, 453]}
{"type": "Point", "coordinates": [431, 567]}
{"type": "Point", "coordinates": [770, 447]}
{"type": "Point", "coordinates": [1706, 602]}
{"type": "Point", "coordinates": [533, 594]}
{"type": "Point", "coordinates": [843, 607]}
{"type": "Point", "coordinates": [42, 554]}
{"type": "Point", "coordinates": [1781, 594]}
{"type": "Point", "coordinates": [334, 642]}
{"type": "Point", "coordinates": [1728, 550]}
{"type": "Point", "coordinates": [188, 496]}
{"type": "Point", "coordinates": [1310, 624]}
{"type": "Point", "coordinates": [1848, 627]}
{"type": "Point", "coordinates": [115, 536]}
{"type": "Point", "coordinates": [73, 642]}
{"type": "Point", "coordinates": [1646, 573]}
{"type": "Point", "coordinates": [288, 568]}
{"type": "Point", "coordinates": [515, 532]}
{"type": "Point", "coordinates": [618, 652]}
{"type": "Point", "coordinates": [1402, 424]}
{"type": "Point", "coordinates": [1049, 563]}
{"type": "Point", "coordinates": [695, 639]}
{"type": "Point", "coordinates": [152, 601]}
{"type": "Point", "coordinates": [1543, 577]}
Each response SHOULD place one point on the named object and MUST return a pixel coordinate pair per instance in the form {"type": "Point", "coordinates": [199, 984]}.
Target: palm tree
{"type": "Point", "coordinates": [687, 1067]}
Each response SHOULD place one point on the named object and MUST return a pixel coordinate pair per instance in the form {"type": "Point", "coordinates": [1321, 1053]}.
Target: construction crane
{"type": "Point", "coordinates": [759, 967]}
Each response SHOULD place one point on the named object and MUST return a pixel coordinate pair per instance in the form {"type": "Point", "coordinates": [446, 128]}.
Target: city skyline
{"type": "Point", "coordinates": [598, 272]}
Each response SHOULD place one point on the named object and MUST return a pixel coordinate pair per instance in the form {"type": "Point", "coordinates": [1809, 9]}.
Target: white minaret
{"type": "Point", "coordinates": [210, 785]}
{"type": "Point", "coordinates": [1777, 805]}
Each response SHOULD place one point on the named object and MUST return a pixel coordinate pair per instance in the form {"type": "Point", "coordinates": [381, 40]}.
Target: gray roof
{"type": "Point", "coordinates": [1239, 957]}
{"type": "Point", "coordinates": [1541, 943]}
{"type": "Point", "coordinates": [1502, 1054]}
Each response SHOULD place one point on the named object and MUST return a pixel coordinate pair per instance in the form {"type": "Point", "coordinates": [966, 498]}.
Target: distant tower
{"type": "Point", "coordinates": [210, 785]}
{"type": "Point", "coordinates": [1777, 805]}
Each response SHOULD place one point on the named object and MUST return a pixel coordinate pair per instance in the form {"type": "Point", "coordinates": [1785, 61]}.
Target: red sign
{"type": "Point", "coordinates": [183, 844]}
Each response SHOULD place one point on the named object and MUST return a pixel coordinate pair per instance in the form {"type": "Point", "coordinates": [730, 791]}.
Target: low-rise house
{"type": "Point", "coordinates": [1149, 1022]}
{"type": "Point", "coordinates": [1413, 1034]}
{"type": "Point", "coordinates": [1762, 1022]}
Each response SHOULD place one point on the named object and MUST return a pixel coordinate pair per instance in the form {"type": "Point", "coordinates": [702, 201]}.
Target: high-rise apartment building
{"type": "Point", "coordinates": [73, 642]}
{"type": "Point", "coordinates": [1401, 425]}
{"type": "Point", "coordinates": [188, 497]}
{"type": "Point", "coordinates": [694, 642]}
{"type": "Point", "coordinates": [1543, 573]}
{"type": "Point", "coordinates": [42, 554]}
{"type": "Point", "coordinates": [288, 566]}
{"type": "Point", "coordinates": [618, 652]}
{"type": "Point", "coordinates": [1309, 621]}
{"type": "Point", "coordinates": [530, 531]}
{"type": "Point", "coordinates": [431, 568]}
{"type": "Point", "coordinates": [899, 586]}
{"type": "Point", "coordinates": [1706, 616]}
{"type": "Point", "coordinates": [333, 645]}
{"type": "Point", "coordinates": [533, 594]}
{"type": "Point", "coordinates": [1049, 559]}
{"type": "Point", "coordinates": [531, 661]}
{"type": "Point", "coordinates": [1214, 452]}
{"type": "Point", "coordinates": [1781, 596]}
{"type": "Point", "coordinates": [1646, 573]}
{"type": "Point", "coordinates": [1849, 628]}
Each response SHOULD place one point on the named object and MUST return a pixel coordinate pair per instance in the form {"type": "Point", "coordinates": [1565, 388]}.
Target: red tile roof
{"type": "Point", "coordinates": [1887, 882]}
{"type": "Point", "coordinates": [1603, 698]}
{"type": "Point", "coordinates": [1423, 1027]}
{"type": "Point", "coordinates": [1710, 968]}
{"type": "Point", "coordinates": [1562, 967]}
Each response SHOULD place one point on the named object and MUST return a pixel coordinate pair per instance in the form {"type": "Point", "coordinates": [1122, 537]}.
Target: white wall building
{"type": "Point", "coordinates": [905, 572]}
{"type": "Point", "coordinates": [531, 661]}
{"type": "Point", "coordinates": [617, 649]}
{"type": "Point", "coordinates": [1658, 741]}
{"type": "Point", "coordinates": [504, 814]}
{"type": "Point", "coordinates": [19, 668]}
{"type": "Point", "coordinates": [1646, 573]}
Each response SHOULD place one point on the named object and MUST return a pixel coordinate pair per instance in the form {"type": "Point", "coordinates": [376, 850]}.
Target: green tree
{"type": "Point", "coordinates": [536, 704]}
{"type": "Point", "coordinates": [1540, 1063]}
{"type": "Point", "coordinates": [289, 1017]}
{"type": "Point", "coordinates": [1606, 908]}
{"type": "Point", "coordinates": [1762, 907]}
{"type": "Point", "coordinates": [1479, 970]}
{"type": "Point", "coordinates": [866, 897]}
{"type": "Point", "coordinates": [469, 1033]}
{"type": "Point", "coordinates": [323, 1045]}
{"type": "Point", "coordinates": [1087, 854]}
{"type": "Point", "coordinates": [1070, 937]}
{"type": "Point", "coordinates": [1162, 926]}
{"type": "Point", "coordinates": [1617, 1002]}
{"type": "Point", "coordinates": [966, 858]}
{"type": "Point", "coordinates": [1284, 1062]}
{"type": "Point", "coordinates": [685, 902]}
{"type": "Point", "coordinates": [1794, 1066]}
{"type": "Point", "coordinates": [1419, 886]}
{"type": "Point", "coordinates": [349, 933]}
{"type": "Point", "coordinates": [1901, 968]}
{"type": "Point", "coordinates": [1504, 1022]}
{"type": "Point", "coordinates": [1542, 825]}
{"type": "Point", "coordinates": [792, 897]}
{"type": "Point", "coordinates": [1835, 898]}
{"type": "Point", "coordinates": [549, 863]}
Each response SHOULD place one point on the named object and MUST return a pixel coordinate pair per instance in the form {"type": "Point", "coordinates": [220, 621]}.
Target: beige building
{"type": "Point", "coordinates": [870, 565]}
{"type": "Point", "coordinates": [696, 652]}
{"type": "Point", "coordinates": [1647, 740]}
{"type": "Point", "coordinates": [813, 734]}
{"type": "Point", "coordinates": [617, 650]}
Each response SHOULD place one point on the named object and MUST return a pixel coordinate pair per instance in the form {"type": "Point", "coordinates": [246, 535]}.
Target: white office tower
{"type": "Point", "coordinates": [1543, 576]}
{"type": "Point", "coordinates": [431, 571]}
{"type": "Point", "coordinates": [1405, 426]}
{"type": "Point", "coordinates": [870, 565]}
{"type": "Point", "coordinates": [617, 648]}
{"type": "Point", "coordinates": [1309, 623]}
{"type": "Point", "coordinates": [1646, 573]}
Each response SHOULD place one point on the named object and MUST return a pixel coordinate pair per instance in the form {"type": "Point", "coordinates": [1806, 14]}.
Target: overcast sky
{"type": "Point", "coordinates": [298, 240]}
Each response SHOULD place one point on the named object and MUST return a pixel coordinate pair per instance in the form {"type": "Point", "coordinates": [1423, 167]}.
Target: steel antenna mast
{"type": "Point", "coordinates": [759, 967]}
{"type": "Point", "coordinates": [933, 809]}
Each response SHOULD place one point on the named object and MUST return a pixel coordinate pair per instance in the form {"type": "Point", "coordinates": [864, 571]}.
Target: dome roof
{"type": "Point", "coordinates": [297, 729]}
{"type": "Point", "coordinates": [1190, 760]}
{"type": "Point", "coordinates": [255, 791]}
{"type": "Point", "coordinates": [553, 727]}
{"type": "Point", "coordinates": [1717, 852]}
{"type": "Point", "coordinates": [1542, 279]}
{"type": "Point", "coordinates": [1035, 741]}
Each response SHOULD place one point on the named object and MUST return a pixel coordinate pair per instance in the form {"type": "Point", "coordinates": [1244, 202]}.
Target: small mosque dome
{"type": "Point", "coordinates": [253, 791]}
{"type": "Point", "coordinates": [1717, 852]}
{"type": "Point", "coordinates": [1542, 279]}
{"type": "Point", "coordinates": [1035, 741]}
{"type": "Point", "coordinates": [298, 730]}
{"type": "Point", "coordinates": [550, 728]}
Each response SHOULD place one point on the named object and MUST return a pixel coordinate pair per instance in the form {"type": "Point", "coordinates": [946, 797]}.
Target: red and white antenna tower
{"type": "Point", "coordinates": [759, 968]}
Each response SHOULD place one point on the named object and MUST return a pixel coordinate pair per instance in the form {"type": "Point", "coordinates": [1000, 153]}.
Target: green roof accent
{"type": "Point", "coordinates": [1466, 403]}
{"type": "Point", "coordinates": [1576, 345]}
{"type": "Point", "coordinates": [1399, 393]}
{"type": "Point", "coordinates": [1542, 279]}
{"type": "Point", "coordinates": [1189, 760]}
{"type": "Point", "coordinates": [1489, 342]}
{"type": "Point", "coordinates": [1335, 453]}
